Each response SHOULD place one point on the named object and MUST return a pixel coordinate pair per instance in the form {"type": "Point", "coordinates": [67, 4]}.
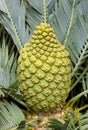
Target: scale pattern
{"type": "Point", "coordinates": [44, 70]}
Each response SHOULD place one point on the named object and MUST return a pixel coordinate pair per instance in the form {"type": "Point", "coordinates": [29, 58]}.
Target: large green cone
{"type": "Point", "coordinates": [44, 71]}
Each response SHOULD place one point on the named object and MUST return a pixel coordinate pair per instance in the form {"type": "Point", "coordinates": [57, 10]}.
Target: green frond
{"type": "Point", "coordinates": [61, 18]}
{"type": "Point", "coordinates": [56, 124]}
{"type": "Point", "coordinates": [74, 120]}
{"type": "Point", "coordinates": [8, 64]}
{"type": "Point", "coordinates": [11, 117]}
{"type": "Point", "coordinates": [77, 42]}
{"type": "Point", "coordinates": [14, 21]}
{"type": "Point", "coordinates": [81, 58]}
{"type": "Point", "coordinates": [35, 12]}
{"type": "Point", "coordinates": [79, 78]}
{"type": "Point", "coordinates": [36, 4]}
{"type": "Point", "coordinates": [13, 92]}
{"type": "Point", "coordinates": [8, 61]}
{"type": "Point", "coordinates": [84, 121]}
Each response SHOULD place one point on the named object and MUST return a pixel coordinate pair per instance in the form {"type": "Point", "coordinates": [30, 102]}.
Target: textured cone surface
{"type": "Point", "coordinates": [44, 71]}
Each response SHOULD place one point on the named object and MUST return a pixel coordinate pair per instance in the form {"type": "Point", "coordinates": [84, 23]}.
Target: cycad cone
{"type": "Point", "coordinates": [44, 71]}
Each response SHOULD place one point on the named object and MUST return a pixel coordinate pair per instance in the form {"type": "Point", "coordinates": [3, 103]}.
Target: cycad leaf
{"type": "Point", "coordinates": [77, 41]}
{"type": "Point", "coordinates": [2, 7]}
{"type": "Point", "coordinates": [73, 121]}
{"type": "Point", "coordinates": [14, 92]}
{"type": "Point", "coordinates": [60, 17]}
{"type": "Point", "coordinates": [14, 21]}
{"type": "Point", "coordinates": [57, 124]}
{"type": "Point", "coordinates": [33, 17]}
{"type": "Point", "coordinates": [84, 121]}
{"type": "Point", "coordinates": [35, 12]}
{"type": "Point", "coordinates": [8, 64]}
{"type": "Point", "coordinates": [10, 116]}
{"type": "Point", "coordinates": [38, 4]}
{"type": "Point", "coordinates": [7, 61]}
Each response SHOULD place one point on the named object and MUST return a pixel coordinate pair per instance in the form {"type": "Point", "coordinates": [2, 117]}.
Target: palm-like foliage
{"type": "Point", "coordinates": [69, 19]}
{"type": "Point", "coordinates": [8, 64]}
{"type": "Point", "coordinates": [9, 117]}
{"type": "Point", "coordinates": [74, 121]}
{"type": "Point", "coordinates": [8, 60]}
{"type": "Point", "coordinates": [14, 21]}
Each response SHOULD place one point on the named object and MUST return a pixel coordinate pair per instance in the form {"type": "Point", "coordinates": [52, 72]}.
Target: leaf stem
{"type": "Point", "coordinates": [44, 12]}
{"type": "Point", "coordinates": [70, 24]}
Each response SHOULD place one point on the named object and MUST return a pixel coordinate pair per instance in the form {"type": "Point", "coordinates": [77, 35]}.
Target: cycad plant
{"type": "Point", "coordinates": [43, 64]}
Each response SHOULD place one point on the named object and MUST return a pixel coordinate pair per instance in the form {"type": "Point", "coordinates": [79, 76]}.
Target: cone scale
{"type": "Point", "coordinates": [44, 70]}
